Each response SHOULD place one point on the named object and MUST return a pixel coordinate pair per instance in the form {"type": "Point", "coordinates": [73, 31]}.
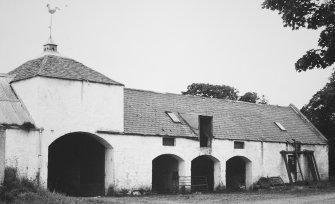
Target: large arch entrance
{"type": "Point", "coordinates": [165, 173]}
{"type": "Point", "coordinates": [204, 168]}
{"type": "Point", "coordinates": [76, 165]}
{"type": "Point", "coordinates": [238, 173]}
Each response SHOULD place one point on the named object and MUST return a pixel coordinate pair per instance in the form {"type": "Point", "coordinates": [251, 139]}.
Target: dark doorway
{"type": "Point", "coordinates": [206, 135]}
{"type": "Point", "coordinates": [235, 173]}
{"type": "Point", "coordinates": [165, 176]}
{"type": "Point", "coordinates": [76, 165]}
{"type": "Point", "coordinates": [202, 166]}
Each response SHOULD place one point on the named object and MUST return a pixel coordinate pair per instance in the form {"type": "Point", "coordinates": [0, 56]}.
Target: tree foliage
{"type": "Point", "coordinates": [212, 91]}
{"type": "Point", "coordinates": [223, 92]}
{"type": "Point", "coordinates": [310, 14]}
{"type": "Point", "coordinates": [253, 97]}
{"type": "Point", "coordinates": [321, 112]}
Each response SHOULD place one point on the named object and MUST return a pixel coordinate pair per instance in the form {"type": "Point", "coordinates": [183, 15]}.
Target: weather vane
{"type": "Point", "coordinates": [51, 11]}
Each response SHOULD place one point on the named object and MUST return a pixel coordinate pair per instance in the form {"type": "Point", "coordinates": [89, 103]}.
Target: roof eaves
{"type": "Point", "coordinates": [21, 79]}
{"type": "Point", "coordinates": [52, 77]}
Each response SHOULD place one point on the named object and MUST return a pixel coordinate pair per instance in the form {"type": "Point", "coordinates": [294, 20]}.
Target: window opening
{"type": "Point", "coordinates": [238, 145]}
{"type": "Point", "coordinates": [168, 141]}
{"type": "Point", "coordinates": [206, 135]}
{"type": "Point", "coordinates": [281, 127]}
{"type": "Point", "coordinates": [173, 117]}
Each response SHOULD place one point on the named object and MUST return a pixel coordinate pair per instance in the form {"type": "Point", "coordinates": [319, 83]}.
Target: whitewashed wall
{"type": "Point", "coordinates": [130, 158]}
{"type": "Point", "coordinates": [69, 105]}
{"type": "Point", "coordinates": [22, 152]}
{"type": "Point", "coordinates": [133, 157]}
{"type": "Point", "coordinates": [2, 154]}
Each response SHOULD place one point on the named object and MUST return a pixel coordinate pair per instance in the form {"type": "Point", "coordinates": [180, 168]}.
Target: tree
{"type": "Point", "coordinates": [321, 112]}
{"type": "Point", "coordinates": [310, 14]}
{"type": "Point", "coordinates": [250, 97]}
{"type": "Point", "coordinates": [223, 92]}
{"type": "Point", "coordinates": [212, 91]}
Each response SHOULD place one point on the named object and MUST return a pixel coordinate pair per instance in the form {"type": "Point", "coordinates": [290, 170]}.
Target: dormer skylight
{"type": "Point", "coordinates": [281, 127]}
{"type": "Point", "coordinates": [173, 117]}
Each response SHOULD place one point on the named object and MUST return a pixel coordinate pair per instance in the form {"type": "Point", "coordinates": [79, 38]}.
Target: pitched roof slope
{"type": "Point", "coordinates": [145, 113]}
{"type": "Point", "coordinates": [12, 111]}
{"type": "Point", "coordinates": [59, 67]}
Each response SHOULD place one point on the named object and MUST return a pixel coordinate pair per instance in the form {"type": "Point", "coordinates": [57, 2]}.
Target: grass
{"type": "Point", "coordinates": [22, 190]}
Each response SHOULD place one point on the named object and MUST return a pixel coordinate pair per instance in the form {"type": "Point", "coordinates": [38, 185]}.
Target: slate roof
{"type": "Point", "coordinates": [59, 67]}
{"type": "Point", "coordinates": [12, 111]}
{"type": "Point", "coordinates": [145, 114]}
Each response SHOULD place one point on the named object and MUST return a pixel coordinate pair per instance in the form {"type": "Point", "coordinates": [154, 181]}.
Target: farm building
{"type": "Point", "coordinates": [77, 131]}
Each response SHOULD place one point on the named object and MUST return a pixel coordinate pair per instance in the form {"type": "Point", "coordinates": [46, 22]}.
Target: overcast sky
{"type": "Point", "coordinates": [166, 45]}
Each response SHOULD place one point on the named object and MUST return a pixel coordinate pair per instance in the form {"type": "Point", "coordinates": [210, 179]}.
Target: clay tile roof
{"type": "Point", "coordinates": [59, 67]}
{"type": "Point", "coordinates": [145, 114]}
{"type": "Point", "coordinates": [12, 110]}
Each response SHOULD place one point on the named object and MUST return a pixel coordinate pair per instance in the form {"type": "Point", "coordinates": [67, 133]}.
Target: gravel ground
{"type": "Point", "coordinates": [295, 195]}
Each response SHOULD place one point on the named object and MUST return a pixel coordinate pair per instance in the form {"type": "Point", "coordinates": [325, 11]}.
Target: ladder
{"type": "Point", "coordinates": [312, 165]}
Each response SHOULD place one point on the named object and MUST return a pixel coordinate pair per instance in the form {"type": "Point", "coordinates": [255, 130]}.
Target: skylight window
{"type": "Point", "coordinates": [173, 117]}
{"type": "Point", "coordinates": [281, 127]}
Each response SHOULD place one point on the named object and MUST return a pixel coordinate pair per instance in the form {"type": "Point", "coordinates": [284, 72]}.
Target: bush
{"type": "Point", "coordinates": [14, 186]}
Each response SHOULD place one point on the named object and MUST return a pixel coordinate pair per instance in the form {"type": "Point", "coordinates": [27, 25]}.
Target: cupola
{"type": "Point", "coordinates": [50, 46]}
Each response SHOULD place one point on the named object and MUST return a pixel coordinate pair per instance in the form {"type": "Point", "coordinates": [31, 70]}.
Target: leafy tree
{"type": "Point", "coordinates": [212, 91]}
{"type": "Point", "coordinates": [310, 14]}
{"type": "Point", "coordinates": [321, 112]}
{"type": "Point", "coordinates": [250, 97]}
{"type": "Point", "coordinates": [223, 92]}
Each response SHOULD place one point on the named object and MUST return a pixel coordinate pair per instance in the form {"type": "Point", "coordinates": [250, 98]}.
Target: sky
{"type": "Point", "coordinates": [166, 45]}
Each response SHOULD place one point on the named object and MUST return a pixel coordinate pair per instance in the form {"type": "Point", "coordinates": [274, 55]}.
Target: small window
{"type": "Point", "coordinates": [238, 145]}
{"type": "Point", "coordinates": [281, 127]}
{"type": "Point", "coordinates": [167, 141]}
{"type": "Point", "coordinates": [173, 117]}
{"type": "Point", "coordinates": [206, 135]}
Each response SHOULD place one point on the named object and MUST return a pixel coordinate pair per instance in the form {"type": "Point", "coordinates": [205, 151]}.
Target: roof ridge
{"type": "Point", "coordinates": [207, 98]}
{"type": "Point", "coordinates": [45, 59]}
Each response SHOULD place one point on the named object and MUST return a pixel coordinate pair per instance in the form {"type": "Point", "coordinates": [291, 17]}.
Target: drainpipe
{"type": "Point", "coordinates": [40, 130]}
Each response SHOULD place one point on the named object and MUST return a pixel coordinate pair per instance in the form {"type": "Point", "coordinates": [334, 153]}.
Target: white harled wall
{"type": "Point", "coordinates": [22, 152]}
{"type": "Point", "coordinates": [2, 154]}
{"type": "Point", "coordinates": [130, 157]}
{"type": "Point", "coordinates": [60, 107]}
{"type": "Point", "coordinates": [133, 157]}
{"type": "Point", "coordinates": [57, 104]}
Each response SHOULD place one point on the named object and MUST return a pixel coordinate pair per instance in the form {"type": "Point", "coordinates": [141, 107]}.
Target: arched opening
{"type": "Point", "coordinates": [76, 165]}
{"type": "Point", "coordinates": [204, 173]}
{"type": "Point", "coordinates": [238, 173]}
{"type": "Point", "coordinates": [165, 173]}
